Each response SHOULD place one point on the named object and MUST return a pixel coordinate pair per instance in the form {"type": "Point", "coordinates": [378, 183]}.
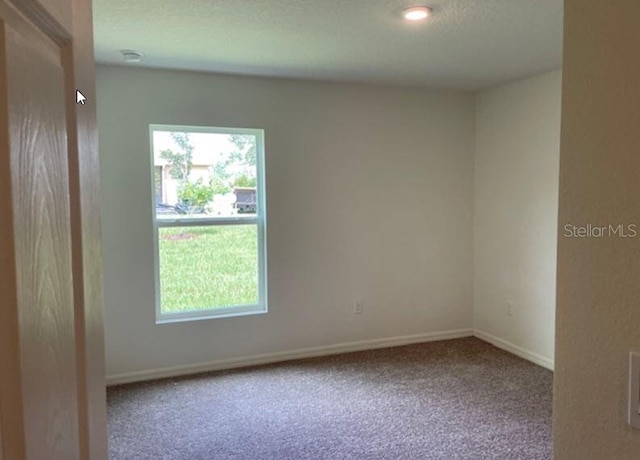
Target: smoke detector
{"type": "Point", "coordinates": [132, 56]}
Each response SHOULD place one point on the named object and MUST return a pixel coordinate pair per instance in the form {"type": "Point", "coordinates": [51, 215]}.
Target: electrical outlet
{"type": "Point", "coordinates": [510, 309]}
{"type": "Point", "coordinates": [357, 307]}
{"type": "Point", "coordinates": [634, 390]}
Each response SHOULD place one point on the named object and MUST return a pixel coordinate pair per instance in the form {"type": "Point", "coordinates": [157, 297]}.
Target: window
{"type": "Point", "coordinates": [209, 221]}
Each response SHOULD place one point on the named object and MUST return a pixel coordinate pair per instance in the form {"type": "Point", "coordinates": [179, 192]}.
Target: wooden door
{"type": "Point", "coordinates": [52, 391]}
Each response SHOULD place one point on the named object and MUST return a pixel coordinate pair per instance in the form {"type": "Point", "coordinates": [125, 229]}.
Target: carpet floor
{"type": "Point", "coordinates": [455, 399]}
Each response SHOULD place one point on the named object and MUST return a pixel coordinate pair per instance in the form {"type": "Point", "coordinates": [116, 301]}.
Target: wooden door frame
{"type": "Point", "coordinates": [84, 183]}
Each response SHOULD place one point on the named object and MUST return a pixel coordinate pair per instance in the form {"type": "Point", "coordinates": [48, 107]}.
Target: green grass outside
{"type": "Point", "coordinates": [208, 267]}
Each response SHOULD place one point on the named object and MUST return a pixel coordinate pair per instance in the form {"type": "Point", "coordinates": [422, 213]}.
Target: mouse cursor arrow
{"type": "Point", "coordinates": [80, 99]}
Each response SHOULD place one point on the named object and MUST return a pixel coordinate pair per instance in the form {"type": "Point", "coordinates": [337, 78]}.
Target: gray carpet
{"type": "Point", "coordinates": [457, 399]}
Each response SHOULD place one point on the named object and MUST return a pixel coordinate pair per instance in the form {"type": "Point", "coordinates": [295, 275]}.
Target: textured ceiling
{"type": "Point", "coordinates": [466, 44]}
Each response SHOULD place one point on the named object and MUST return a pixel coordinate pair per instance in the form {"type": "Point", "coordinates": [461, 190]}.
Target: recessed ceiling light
{"type": "Point", "coordinates": [416, 13]}
{"type": "Point", "coordinates": [131, 55]}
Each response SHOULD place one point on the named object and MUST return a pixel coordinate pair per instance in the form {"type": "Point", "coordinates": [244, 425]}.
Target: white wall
{"type": "Point", "coordinates": [515, 214]}
{"type": "Point", "coordinates": [369, 194]}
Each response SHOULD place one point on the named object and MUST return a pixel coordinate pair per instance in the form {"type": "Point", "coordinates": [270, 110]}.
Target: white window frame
{"type": "Point", "coordinates": [259, 219]}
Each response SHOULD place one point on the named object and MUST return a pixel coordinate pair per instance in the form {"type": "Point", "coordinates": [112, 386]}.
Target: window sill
{"type": "Point", "coordinates": [210, 314]}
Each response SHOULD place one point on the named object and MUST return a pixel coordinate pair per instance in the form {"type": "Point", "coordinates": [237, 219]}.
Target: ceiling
{"type": "Point", "coordinates": [466, 44]}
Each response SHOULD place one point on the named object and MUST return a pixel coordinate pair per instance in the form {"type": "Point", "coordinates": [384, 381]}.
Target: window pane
{"type": "Point", "coordinates": [204, 174]}
{"type": "Point", "coordinates": [203, 268]}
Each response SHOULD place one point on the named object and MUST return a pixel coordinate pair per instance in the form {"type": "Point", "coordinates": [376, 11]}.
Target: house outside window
{"type": "Point", "coordinates": [158, 181]}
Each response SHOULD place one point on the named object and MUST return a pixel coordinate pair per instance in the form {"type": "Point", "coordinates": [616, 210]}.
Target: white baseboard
{"type": "Point", "coordinates": [267, 358]}
{"type": "Point", "coordinates": [515, 349]}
